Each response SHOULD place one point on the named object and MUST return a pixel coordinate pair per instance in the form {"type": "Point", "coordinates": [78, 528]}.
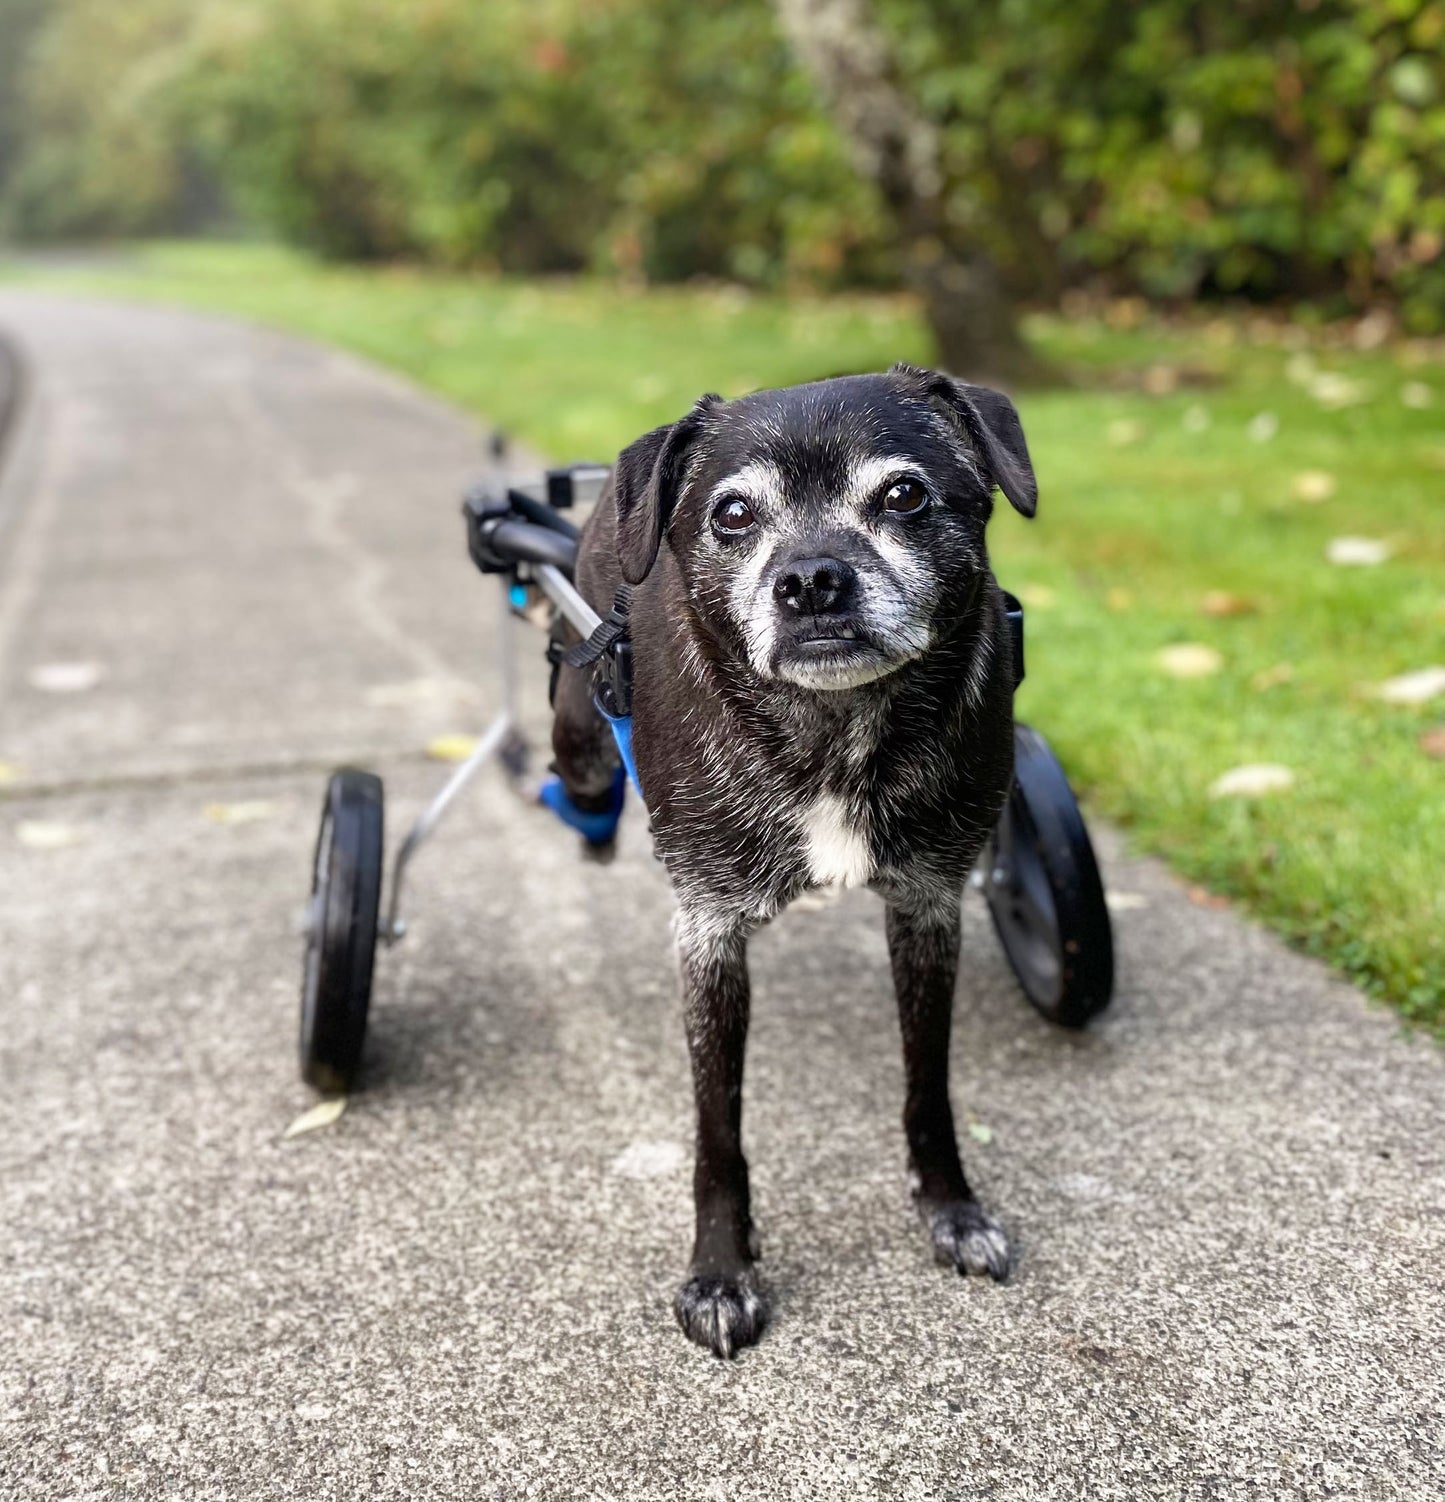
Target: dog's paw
{"type": "Point", "coordinates": [967, 1237]}
{"type": "Point", "coordinates": [722, 1313]}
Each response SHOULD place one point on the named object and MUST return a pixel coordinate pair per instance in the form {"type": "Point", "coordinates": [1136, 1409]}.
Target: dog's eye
{"type": "Point", "coordinates": [732, 516]}
{"type": "Point", "coordinates": [905, 497]}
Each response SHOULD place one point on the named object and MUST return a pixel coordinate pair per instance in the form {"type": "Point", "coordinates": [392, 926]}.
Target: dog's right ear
{"type": "Point", "coordinates": [648, 480]}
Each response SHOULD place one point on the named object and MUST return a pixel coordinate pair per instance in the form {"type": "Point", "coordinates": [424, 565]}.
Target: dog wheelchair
{"type": "Point", "coordinates": [1037, 872]}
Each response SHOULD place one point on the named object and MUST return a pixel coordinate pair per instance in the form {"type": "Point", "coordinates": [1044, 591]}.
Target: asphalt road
{"type": "Point", "coordinates": [228, 560]}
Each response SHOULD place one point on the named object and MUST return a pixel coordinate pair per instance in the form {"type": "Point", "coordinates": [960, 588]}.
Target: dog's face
{"type": "Point", "coordinates": [826, 534]}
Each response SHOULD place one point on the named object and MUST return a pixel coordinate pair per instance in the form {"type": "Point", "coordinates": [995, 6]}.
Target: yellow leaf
{"type": "Point", "coordinates": [1358, 552]}
{"type": "Point", "coordinates": [9, 773]}
{"type": "Point", "coordinates": [452, 747]}
{"type": "Point", "coordinates": [65, 677]}
{"type": "Point", "coordinates": [1313, 485]}
{"type": "Point", "coordinates": [323, 1114]}
{"type": "Point", "coordinates": [1413, 688]}
{"type": "Point", "coordinates": [37, 834]}
{"type": "Point", "coordinates": [1189, 659]}
{"type": "Point", "coordinates": [1252, 781]}
{"type": "Point", "coordinates": [251, 812]}
{"type": "Point", "coordinates": [1219, 602]}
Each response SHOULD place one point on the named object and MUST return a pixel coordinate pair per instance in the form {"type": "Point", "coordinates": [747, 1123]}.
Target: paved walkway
{"type": "Point", "coordinates": [1228, 1197]}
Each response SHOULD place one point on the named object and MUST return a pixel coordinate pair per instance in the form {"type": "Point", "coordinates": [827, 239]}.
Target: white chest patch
{"type": "Point", "coordinates": [836, 842]}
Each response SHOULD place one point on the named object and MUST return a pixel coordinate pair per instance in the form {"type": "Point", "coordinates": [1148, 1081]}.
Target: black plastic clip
{"type": "Point", "coordinates": [1014, 610]}
{"type": "Point", "coordinates": [610, 649]}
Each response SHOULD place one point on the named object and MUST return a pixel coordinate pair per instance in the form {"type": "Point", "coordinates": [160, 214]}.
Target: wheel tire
{"type": "Point", "coordinates": [341, 931]}
{"type": "Point", "coordinates": [1044, 892]}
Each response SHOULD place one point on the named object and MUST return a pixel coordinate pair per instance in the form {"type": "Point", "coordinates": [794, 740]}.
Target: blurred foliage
{"type": "Point", "coordinates": [97, 148]}
{"type": "Point", "coordinates": [1176, 148]}
{"type": "Point", "coordinates": [1268, 147]}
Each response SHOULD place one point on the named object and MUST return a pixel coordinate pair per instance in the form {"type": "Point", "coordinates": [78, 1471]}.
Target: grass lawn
{"type": "Point", "coordinates": [1196, 515]}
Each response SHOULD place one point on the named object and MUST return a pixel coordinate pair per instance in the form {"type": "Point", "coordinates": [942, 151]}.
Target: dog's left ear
{"type": "Point", "coordinates": [648, 479]}
{"type": "Point", "coordinates": [992, 425]}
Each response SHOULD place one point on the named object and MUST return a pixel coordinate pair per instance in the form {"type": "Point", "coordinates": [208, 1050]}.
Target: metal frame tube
{"type": "Point", "coordinates": [559, 589]}
{"type": "Point", "coordinates": [563, 594]}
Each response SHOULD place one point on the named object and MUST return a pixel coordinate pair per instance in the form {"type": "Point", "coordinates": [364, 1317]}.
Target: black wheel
{"type": "Point", "coordinates": [341, 931]}
{"type": "Point", "coordinates": [1044, 891]}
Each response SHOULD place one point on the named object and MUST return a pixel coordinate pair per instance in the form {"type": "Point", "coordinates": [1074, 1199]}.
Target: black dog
{"type": "Point", "coordinates": [823, 694]}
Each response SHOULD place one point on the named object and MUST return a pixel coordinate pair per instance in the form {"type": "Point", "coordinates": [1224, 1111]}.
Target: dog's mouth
{"type": "Point", "coordinates": [826, 640]}
{"type": "Point", "coordinates": [825, 654]}
{"type": "Point", "coordinates": [841, 637]}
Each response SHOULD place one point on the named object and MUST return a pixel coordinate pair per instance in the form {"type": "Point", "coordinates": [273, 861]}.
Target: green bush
{"type": "Point", "coordinates": [651, 137]}
{"type": "Point", "coordinates": [1276, 149]}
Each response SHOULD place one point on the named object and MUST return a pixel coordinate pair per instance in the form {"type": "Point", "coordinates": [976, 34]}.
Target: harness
{"type": "Point", "coordinates": [609, 650]}
{"type": "Point", "coordinates": [611, 646]}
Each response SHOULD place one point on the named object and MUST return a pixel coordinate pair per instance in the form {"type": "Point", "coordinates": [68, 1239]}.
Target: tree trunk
{"type": "Point", "coordinates": [843, 48]}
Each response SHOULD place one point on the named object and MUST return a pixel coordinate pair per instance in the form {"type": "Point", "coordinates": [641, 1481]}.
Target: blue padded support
{"type": "Point", "coordinates": [622, 734]}
{"type": "Point", "coordinates": [596, 828]}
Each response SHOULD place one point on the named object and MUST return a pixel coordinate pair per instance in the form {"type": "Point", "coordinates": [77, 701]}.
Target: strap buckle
{"type": "Point", "coordinates": [610, 650]}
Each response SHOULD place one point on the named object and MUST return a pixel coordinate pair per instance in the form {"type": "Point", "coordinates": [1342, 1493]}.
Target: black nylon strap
{"type": "Point", "coordinates": [605, 634]}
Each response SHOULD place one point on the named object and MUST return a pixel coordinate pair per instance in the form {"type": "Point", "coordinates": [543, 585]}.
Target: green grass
{"type": "Point", "coordinates": [1150, 502]}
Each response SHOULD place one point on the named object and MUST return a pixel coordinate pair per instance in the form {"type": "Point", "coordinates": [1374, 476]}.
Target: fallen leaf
{"type": "Point", "coordinates": [1160, 380]}
{"type": "Point", "coordinates": [323, 1114]}
{"type": "Point", "coordinates": [1313, 485]}
{"type": "Point", "coordinates": [1189, 659]}
{"type": "Point", "coordinates": [1266, 678]}
{"type": "Point", "coordinates": [1263, 426]}
{"type": "Point", "coordinates": [1432, 743]}
{"type": "Point", "coordinates": [1357, 552]}
{"type": "Point", "coordinates": [1252, 781]}
{"type": "Point", "coordinates": [1332, 390]}
{"type": "Point", "coordinates": [1039, 596]}
{"type": "Point", "coordinates": [38, 834]}
{"type": "Point", "coordinates": [65, 677]}
{"type": "Point", "coordinates": [1416, 394]}
{"type": "Point", "coordinates": [648, 1160]}
{"type": "Point", "coordinates": [452, 747]}
{"type": "Point", "coordinates": [1219, 602]}
{"type": "Point", "coordinates": [980, 1133]}
{"type": "Point", "coordinates": [1203, 897]}
{"type": "Point", "coordinates": [1413, 688]}
{"type": "Point", "coordinates": [1119, 598]}
{"type": "Point", "coordinates": [1125, 902]}
{"type": "Point", "coordinates": [1123, 431]}
{"type": "Point", "coordinates": [251, 812]}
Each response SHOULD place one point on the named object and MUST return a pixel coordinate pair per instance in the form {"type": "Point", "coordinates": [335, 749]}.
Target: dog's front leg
{"type": "Point", "coordinates": [923, 948]}
{"type": "Point", "coordinates": [719, 1306]}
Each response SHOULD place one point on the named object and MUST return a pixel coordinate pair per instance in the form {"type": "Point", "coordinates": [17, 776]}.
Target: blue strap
{"type": "Point", "coordinates": [622, 733]}
{"type": "Point", "coordinates": [597, 828]}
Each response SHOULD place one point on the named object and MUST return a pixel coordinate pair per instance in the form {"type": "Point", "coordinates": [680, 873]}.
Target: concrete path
{"type": "Point", "coordinates": [1229, 1197]}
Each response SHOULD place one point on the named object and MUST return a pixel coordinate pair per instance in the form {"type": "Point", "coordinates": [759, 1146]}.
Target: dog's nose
{"type": "Point", "coordinates": [814, 586]}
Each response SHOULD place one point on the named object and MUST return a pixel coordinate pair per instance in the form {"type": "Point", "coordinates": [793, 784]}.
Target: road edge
{"type": "Point", "coordinates": [14, 384]}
